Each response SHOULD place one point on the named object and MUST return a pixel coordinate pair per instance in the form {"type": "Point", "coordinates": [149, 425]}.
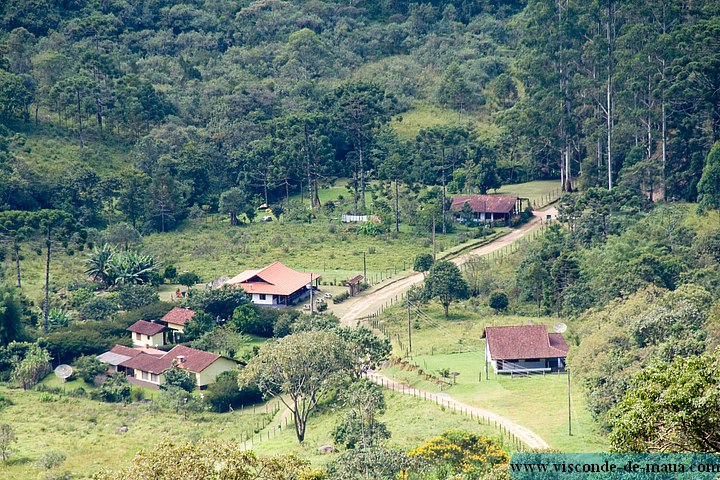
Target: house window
{"type": "Point", "coordinates": [153, 378]}
{"type": "Point", "coordinates": [138, 336]}
{"type": "Point", "coordinates": [532, 360]}
{"type": "Point", "coordinates": [144, 375]}
{"type": "Point", "coordinates": [262, 296]}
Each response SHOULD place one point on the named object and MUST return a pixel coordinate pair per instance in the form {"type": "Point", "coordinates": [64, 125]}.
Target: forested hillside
{"type": "Point", "coordinates": [265, 99]}
{"type": "Point", "coordinates": [148, 147]}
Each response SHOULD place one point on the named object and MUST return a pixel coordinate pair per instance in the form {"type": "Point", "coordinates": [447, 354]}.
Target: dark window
{"type": "Point", "coordinates": [532, 359]}
{"type": "Point", "coordinates": [262, 296]}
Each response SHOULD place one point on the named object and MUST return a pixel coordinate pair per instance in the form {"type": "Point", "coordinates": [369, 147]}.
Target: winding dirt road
{"type": "Point", "coordinates": [372, 300]}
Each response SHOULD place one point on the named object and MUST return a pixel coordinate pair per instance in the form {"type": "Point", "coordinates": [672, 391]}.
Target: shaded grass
{"type": "Point", "coordinates": [86, 430]}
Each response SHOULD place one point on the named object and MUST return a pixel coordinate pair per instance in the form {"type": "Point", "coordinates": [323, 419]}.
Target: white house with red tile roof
{"type": "Point", "coordinates": [487, 208]}
{"type": "Point", "coordinates": [147, 334]}
{"type": "Point", "coordinates": [176, 319]}
{"type": "Point", "coordinates": [524, 348]}
{"type": "Point", "coordinates": [275, 284]}
{"type": "Point", "coordinates": [146, 366]}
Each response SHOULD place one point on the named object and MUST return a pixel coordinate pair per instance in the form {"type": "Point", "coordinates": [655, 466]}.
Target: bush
{"type": "Point", "coordinates": [170, 272]}
{"type": "Point", "coordinates": [251, 320]}
{"type": "Point", "coordinates": [423, 262]}
{"type": "Point", "coordinates": [177, 377]}
{"type": "Point", "coordinates": [225, 393]}
{"type": "Point", "coordinates": [88, 367]}
{"type": "Point", "coordinates": [131, 297]}
{"type": "Point", "coordinates": [114, 389]}
{"type": "Point", "coordinates": [498, 301]}
{"type": "Point", "coordinates": [188, 279]}
{"type": "Point", "coordinates": [152, 312]}
{"type": "Point", "coordinates": [218, 302]}
{"type": "Point", "coordinates": [90, 338]}
{"type": "Point", "coordinates": [341, 297]}
{"type": "Point", "coordinates": [98, 308]}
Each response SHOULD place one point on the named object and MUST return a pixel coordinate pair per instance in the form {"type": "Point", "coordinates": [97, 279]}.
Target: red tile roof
{"type": "Point", "coordinates": [524, 341]}
{"type": "Point", "coordinates": [275, 279]}
{"type": "Point", "coordinates": [146, 328]}
{"type": "Point", "coordinates": [485, 203]}
{"type": "Point", "coordinates": [195, 360]}
{"type": "Point", "coordinates": [178, 316]}
{"type": "Point", "coordinates": [135, 351]}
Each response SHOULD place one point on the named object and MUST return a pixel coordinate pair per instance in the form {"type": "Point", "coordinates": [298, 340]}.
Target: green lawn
{"type": "Point", "coordinates": [455, 344]}
{"type": "Point", "coordinates": [412, 422]}
{"type": "Point", "coordinates": [86, 430]}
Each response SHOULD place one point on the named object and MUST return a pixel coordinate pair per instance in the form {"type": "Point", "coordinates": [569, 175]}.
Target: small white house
{"type": "Point", "coordinates": [147, 334]}
{"type": "Point", "coordinates": [275, 285]}
{"type": "Point", "coordinates": [524, 349]}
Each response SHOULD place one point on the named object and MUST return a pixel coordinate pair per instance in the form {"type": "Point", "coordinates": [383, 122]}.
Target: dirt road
{"type": "Point", "coordinates": [528, 437]}
{"type": "Point", "coordinates": [371, 301]}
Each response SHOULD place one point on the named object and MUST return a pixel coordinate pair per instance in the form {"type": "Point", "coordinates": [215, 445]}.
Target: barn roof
{"type": "Point", "coordinates": [146, 328]}
{"type": "Point", "coordinates": [178, 316]}
{"type": "Point", "coordinates": [275, 279]}
{"type": "Point", "coordinates": [523, 342]}
{"type": "Point", "coordinates": [485, 203]}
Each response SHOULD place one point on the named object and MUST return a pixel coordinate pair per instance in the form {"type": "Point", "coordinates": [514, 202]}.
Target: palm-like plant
{"type": "Point", "coordinates": [99, 262]}
{"type": "Point", "coordinates": [58, 318]}
{"type": "Point", "coordinates": [131, 268]}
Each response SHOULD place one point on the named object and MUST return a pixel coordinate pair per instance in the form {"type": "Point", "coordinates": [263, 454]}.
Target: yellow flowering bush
{"type": "Point", "coordinates": [464, 453]}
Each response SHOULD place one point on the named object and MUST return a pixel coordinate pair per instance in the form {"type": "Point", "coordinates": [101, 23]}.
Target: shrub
{"type": "Point", "coordinates": [154, 311]}
{"type": "Point", "coordinates": [88, 367]}
{"type": "Point", "coordinates": [81, 339]}
{"type": "Point", "coordinates": [251, 320]}
{"type": "Point", "coordinates": [456, 452]}
{"type": "Point", "coordinates": [98, 308]}
{"type": "Point", "coordinates": [225, 393]}
{"type": "Point", "coordinates": [114, 389]}
{"type": "Point", "coordinates": [131, 297]}
{"type": "Point", "coordinates": [218, 302]}
{"type": "Point", "coordinates": [7, 438]}
{"type": "Point", "coordinates": [188, 279]}
{"type": "Point", "coordinates": [341, 297]}
{"type": "Point", "coordinates": [177, 377]}
{"type": "Point", "coordinates": [170, 272]}
{"type": "Point", "coordinates": [498, 301]}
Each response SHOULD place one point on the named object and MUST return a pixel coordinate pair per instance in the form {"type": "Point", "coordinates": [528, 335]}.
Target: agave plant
{"type": "Point", "coordinates": [99, 262]}
{"type": "Point", "coordinates": [131, 268]}
{"type": "Point", "coordinates": [58, 318]}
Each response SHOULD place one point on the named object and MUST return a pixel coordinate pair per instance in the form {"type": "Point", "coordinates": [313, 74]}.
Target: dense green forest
{"type": "Point", "coordinates": [259, 100]}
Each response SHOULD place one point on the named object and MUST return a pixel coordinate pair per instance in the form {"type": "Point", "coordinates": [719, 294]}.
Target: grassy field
{"type": "Point", "coordinates": [455, 344]}
{"type": "Point", "coordinates": [410, 123]}
{"type": "Point", "coordinates": [53, 151]}
{"type": "Point", "coordinates": [540, 192]}
{"type": "Point", "coordinates": [86, 431]}
{"type": "Point", "coordinates": [412, 422]}
{"type": "Point", "coordinates": [212, 248]}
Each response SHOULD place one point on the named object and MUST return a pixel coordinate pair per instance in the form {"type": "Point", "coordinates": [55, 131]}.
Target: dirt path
{"type": "Point", "coordinates": [528, 437]}
{"type": "Point", "coordinates": [371, 301]}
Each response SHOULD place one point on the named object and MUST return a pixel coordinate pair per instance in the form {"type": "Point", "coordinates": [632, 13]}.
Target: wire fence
{"type": "Point", "coordinates": [507, 437]}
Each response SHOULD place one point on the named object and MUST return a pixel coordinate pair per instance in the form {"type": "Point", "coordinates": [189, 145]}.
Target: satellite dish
{"type": "Point", "coordinates": [63, 371]}
{"type": "Point", "coordinates": [559, 327]}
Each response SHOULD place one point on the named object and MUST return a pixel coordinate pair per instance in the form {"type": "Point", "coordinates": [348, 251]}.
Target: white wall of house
{"type": "Point", "coordinates": [219, 366]}
{"type": "Point", "coordinates": [157, 379]}
{"type": "Point", "coordinates": [264, 299]}
{"type": "Point", "coordinates": [142, 340]}
{"type": "Point", "coordinates": [177, 328]}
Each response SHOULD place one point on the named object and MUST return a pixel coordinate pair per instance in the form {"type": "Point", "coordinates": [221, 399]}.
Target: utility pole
{"type": "Point", "coordinates": [409, 328]}
{"type": "Point", "coordinates": [364, 267]}
{"type": "Point", "coordinates": [311, 295]}
{"type": "Point", "coordinates": [433, 239]}
{"type": "Point", "coordinates": [567, 369]}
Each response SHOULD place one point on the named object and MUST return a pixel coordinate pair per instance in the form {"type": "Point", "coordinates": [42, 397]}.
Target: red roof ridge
{"type": "Point", "coordinates": [146, 328]}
